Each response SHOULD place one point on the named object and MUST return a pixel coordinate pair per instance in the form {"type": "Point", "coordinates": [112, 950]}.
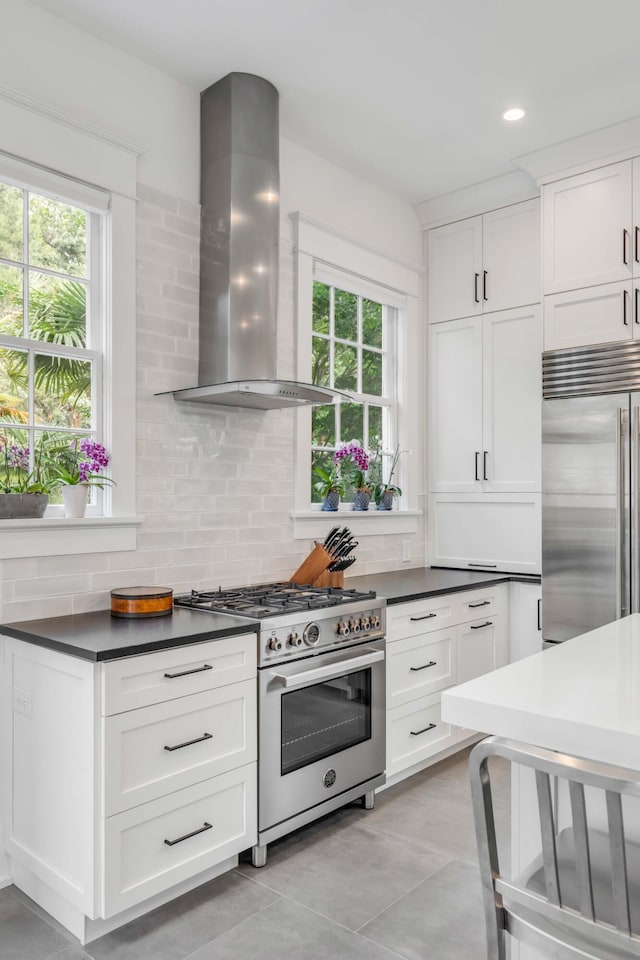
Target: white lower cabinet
{"type": "Point", "coordinates": [423, 660]}
{"type": "Point", "coordinates": [136, 780]}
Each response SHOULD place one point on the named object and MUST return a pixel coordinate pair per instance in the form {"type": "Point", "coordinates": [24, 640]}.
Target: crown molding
{"type": "Point", "coordinates": [620, 141]}
{"type": "Point", "coordinates": [476, 199]}
{"type": "Point", "coordinates": [44, 109]}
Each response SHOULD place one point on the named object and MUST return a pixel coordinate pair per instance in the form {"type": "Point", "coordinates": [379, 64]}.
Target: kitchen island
{"type": "Point", "coordinates": [581, 697]}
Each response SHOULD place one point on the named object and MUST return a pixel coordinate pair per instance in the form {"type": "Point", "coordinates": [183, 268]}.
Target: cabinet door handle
{"type": "Point", "coordinates": [477, 464]}
{"type": "Point", "coordinates": [481, 626]}
{"type": "Point", "coordinates": [625, 297]}
{"type": "Point", "coordinates": [476, 298]}
{"type": "Point", "coordinates": [432, 663]}
{"type": "Point", "coordinates": [194, 833]}
{"type": "Point", "coordinates": [636, 244]}
{"type": "Point", "coordinates": [427, 616]}
{"type": "Point", "coordinates": [485, 274]}
{"type": "Point", "coordinates": [188, 743]}
{"type": "Point", "coordinates": [484, 603]}
{"type": "Point", "coordinates": [492, 566]}
{"type": "Point", "coordinates": [625, 256]}
{"type": "Point", "coordinates": [540, 614]}
{"type": "Point", "coordinates": [636, 311]}
{"type": "Point", "coordinates": [186, 673]}
{"type": "Point", "coordinates": [484, 465]}
{"type": "Point", "coordinates": [416, 733]}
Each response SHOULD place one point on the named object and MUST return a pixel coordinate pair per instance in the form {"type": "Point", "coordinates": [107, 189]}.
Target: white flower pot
{"type": "Point", "coordinates": [75, 497]}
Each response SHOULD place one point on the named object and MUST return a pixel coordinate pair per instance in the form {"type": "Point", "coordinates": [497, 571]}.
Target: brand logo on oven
{"type": "Point", "coordinates": [329, 778]}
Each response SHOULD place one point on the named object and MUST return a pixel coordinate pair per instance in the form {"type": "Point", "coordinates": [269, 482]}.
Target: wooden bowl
{"type": "Point", "coordinates": [141, 602]}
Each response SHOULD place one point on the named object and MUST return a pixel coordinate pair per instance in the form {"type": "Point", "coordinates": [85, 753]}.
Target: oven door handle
{"type": "Point", "coordinates": [333, 670]}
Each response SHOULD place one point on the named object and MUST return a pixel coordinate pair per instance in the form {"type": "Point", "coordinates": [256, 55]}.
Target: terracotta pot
{"type": "Point", "coordinates": [75, 497]}
{"type": "Point", "coordinates": [16, 506]}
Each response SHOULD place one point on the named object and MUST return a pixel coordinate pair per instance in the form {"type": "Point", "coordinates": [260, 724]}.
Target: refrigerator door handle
{"type": "Point", "coordinates": [622, 439]}
{"type": "Point", "coordinates": [635, 510]}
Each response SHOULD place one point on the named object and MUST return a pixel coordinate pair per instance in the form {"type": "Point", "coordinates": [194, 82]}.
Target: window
{"type": "Point", "coordinates": [51, 322]}
{"type": "Point", "coordinates": [353, 350]}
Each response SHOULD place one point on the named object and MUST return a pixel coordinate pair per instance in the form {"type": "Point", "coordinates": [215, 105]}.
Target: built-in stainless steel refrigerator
{"type": "Point", "coordinates": [590, 487]}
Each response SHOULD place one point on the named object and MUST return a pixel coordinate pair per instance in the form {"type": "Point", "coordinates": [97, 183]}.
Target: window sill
{"type": "Point", "coordinates": [312, 524]}
{"type": "Point", "coordinates": [62, 536]}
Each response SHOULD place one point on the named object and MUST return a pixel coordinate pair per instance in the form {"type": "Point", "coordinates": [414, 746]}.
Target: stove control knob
{"type": "Point", "coordinates": [274, 644]}
{"type": "Point", "coordinates": [344, 629]}
{"type": "Point", "coordinates": [355, 626]}
{"type": "Point", "coordinates": [311, 634]}
{"type": "Point", "coordinates": [375, 622]}
{"type": "Point", "coordinates": [365, 623]}
{"type": "Point", "coordinates": [295, 640]}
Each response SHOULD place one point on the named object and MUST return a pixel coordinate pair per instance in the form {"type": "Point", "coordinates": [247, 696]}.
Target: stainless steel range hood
{"type": "Point", "coordinates": [239, 233]}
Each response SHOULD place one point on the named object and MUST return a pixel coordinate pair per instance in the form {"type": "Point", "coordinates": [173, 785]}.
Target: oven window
{"type": "Point", "coordinates": [325, 718]}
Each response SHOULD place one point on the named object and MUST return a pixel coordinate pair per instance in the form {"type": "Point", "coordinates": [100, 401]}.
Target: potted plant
{"type": "Point", "coordinates": [384, 491]}
{"type": "Point", "coordinates": [353, 459]}
{"type": "Point", "coordinates": [329, 486]}
{"type": "Point", "coordinates": [23, 493]}
{"type": "Point", "coordinates": [77, 467]}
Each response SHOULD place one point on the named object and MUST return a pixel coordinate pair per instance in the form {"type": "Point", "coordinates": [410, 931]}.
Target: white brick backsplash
{"type": "Point", "coordinates": [215, 486]}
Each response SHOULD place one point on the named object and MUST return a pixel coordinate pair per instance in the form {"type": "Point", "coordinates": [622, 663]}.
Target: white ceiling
{"type": "Point", "coordinates": [404, 93]}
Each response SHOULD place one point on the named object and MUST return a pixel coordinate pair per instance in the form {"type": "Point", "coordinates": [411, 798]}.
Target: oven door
{"type": "Point", "coordinates": [322, 729]}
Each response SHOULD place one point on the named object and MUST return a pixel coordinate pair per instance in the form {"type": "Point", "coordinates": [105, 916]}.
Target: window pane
{"type": "Point", "coordinates": [320, 368]}
{"type": "Point", "coordinates": [372, 373]}
{"type": "Point", "coordinates": [372, 323]}
{"type": "Point", "coordinates": [375, 427]}
{"type": "Point", "coordinates": [351, 422]}
{"type": "Point", "coordinates": [11, 207]}
{"type": "Point", "coordinates": [14, 379]}
{"type": "Point", "coordinates": [323, 426]}
{"type": "Point", "coordinates": [11, 313]}
{"type": "Point", "coordinates": [62, 391]}
{"type": "Point", "coordinates": [345, 374]}
{"type": "Point", "coordinates": [57, 236]}
{"type": "Point", "coordinates": [57, 310]}
{"type": "Point", "coordinates": [319, 458]}
{"type": "Point", "coordinates": [14, 463]}
{"type": "Point", "coordinates": [321, 307]}
{"type": "Point", "coordinates": [346, 315]}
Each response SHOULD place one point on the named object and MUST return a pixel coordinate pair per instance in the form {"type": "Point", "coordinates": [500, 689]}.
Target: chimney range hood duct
{"type": "Point", "coordinates": [239, 231]}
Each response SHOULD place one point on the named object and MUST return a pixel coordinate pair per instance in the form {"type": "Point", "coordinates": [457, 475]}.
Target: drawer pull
{"type": "Point", "coordinates": [427, 616]}
{"type": "Point", "coordinates": [185, 673]}
{"type": "Point", "coordinates": [491, 566]}
{"type": "Point", "coordinates": [424, 667]}
{"type": "Point", "coordinates": [416, 733]}
{"type": "Point", "coordinates": [484, 603]}
{"type": "Point", "coordinates": [194, 833]}
{"type": "Point", "coordinates": [479, 626]}
{"type": "Point", "coordinates": [187, 743]}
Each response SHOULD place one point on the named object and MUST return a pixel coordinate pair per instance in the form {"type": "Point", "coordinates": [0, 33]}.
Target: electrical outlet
{"type": "Point", "coordinates": [406, 549]}
{"type": "Point", "coordinates": [21, 701]}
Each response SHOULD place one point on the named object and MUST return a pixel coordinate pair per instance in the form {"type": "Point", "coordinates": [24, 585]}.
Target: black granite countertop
{"type": "Point", "coordinates": [400, 586]}
{"type": "Point", "coordinates": [99, 636]}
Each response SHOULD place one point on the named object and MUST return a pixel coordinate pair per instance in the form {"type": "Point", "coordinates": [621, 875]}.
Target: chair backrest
{"type": "Point", "coordinates": [544, 916]}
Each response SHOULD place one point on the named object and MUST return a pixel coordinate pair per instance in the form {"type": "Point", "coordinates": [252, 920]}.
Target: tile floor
{"type": "Point", "coordinates": [399, 881]}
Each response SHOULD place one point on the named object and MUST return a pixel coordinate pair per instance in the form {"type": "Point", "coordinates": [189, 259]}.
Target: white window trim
{"type": "Point", "coordinates": [89, 168]}
{"type": "Point", "coordinates": [317, 243]}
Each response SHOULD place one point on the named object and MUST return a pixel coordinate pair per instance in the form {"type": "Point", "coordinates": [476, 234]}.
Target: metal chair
{"type": "Point", "coordinates": [581, 897]}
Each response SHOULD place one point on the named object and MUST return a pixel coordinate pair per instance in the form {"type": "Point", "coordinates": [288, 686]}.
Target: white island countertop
{"type": "Point", "coordinates": [580, 697]}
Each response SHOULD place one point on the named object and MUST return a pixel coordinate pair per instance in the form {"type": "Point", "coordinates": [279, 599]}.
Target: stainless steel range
{"type": "Point", "coordinates": [321, 698]}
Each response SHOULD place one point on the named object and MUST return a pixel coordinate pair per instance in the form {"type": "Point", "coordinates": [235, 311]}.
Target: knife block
{"type": "Point", "coordinates": [313, 567]}
{"type": "Point", "coordinates": [328, 579]}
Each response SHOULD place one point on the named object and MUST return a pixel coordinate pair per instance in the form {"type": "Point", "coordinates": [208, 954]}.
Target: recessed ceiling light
{"type": "Point", "coordinates": [513, 113]}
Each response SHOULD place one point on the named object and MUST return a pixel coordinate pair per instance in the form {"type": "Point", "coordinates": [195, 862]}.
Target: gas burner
{"type": "Point", "coordinates": [269, 599]}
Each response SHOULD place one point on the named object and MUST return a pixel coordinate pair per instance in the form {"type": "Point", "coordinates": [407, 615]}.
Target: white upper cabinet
{"type": "Point", "coordinates": [588, 237]}
{"type": "Point", "coordinates": [485, 263]}
{"type": "Point", "coordinates": [600, 314]}
{"type": "Point", "coordinates": [455, 270]}
{"type": "Point", "coordinates": [484, 406]}
{"type": "Point", "coordinates": [455, 405]}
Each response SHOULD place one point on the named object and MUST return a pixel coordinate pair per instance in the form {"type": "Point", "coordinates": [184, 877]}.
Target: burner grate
{"type": "Point", "coordinates": [270, 599]}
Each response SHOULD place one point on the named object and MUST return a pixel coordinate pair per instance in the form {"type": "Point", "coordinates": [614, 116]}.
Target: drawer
{"type": "Point", "coordinates": [417, 666]}
{"type": "Point", "coordinates": [177, 672]}
{"type": "Point", "coordinates": [416, 732]}
{"type": "Point", "coordinates": [420, 616]}
{"type": "Point", "coordinates": [156, 845]}
{"type": "Point", "coordinates": [480, 603]}
{"type": "Point", "coordinates": [160, 749]}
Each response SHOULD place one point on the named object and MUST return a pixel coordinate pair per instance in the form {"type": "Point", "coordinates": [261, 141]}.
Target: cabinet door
{"type": "Point", "coordinates": [454, 265]}
{"type": "Point", "coordinates": [512, 387]}
{"type": "Point", "coordinates": [583, 317]}
{"type": "Point", "coordinates": [586, 229]}
{"type": "Point", "coordinates": [455, 405]}
{"type": "Point", "coordinates": [511, 256]}
{"type": "Point", "coordinates": [477, 648]}
{"type": "Point", "coordinates": [525, 620]}
{"type": "Point", "coordinates": [636, 216]}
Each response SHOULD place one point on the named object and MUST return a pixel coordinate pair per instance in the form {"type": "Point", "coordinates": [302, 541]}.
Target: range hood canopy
{"type": "Point", "coordinates": [239, 238]}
